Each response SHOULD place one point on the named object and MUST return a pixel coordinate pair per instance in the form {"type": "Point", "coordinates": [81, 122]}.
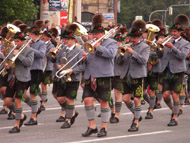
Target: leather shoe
{"type": "Point", "coordinates": [42, 108]}
{"type": "Point", "coordinates": [99, 115]}
{"type": "Point", "coordinates": [10, 116]}
{"type": "Point", "coordinates": [74, 117]}
{"type": "Point", "coordinates": [172, 122]}
{"type": "Point", "coordinates": [22, 121]}
{"type": "Point", "coordinates": [14, 130]}
{"type": "Point", "coordinates": [3, 111]}
{"type": "Point", "coordinates": [60, 119]}
{"type": "Point", "coordinates": [133, 128]}
{"type": "Point", "coordinates": [114, 120]}
{"type": "Point", "coordinates": [38, 112]}
{"type": "Point", "coordinates": [102, 132]}
{"type": "Point", "coordinates": [31, 122]}
{"type": "Point", "coordinates": [89, 132]}
{"type": "Point", "coordinates": [65, 125]}
{"type": "Point", "coordinates": [157, 106]}
{"type": "Point", "coordinates": [149, 115]}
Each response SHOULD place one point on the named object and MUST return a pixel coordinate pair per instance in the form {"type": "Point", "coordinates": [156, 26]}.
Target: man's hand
{"type": "Point", "coordinates": [169, 45]}
{"type": "Point", "coordinates": [130, 50]}
{"type": "Point", "coordinates": [84, 55]}
{"type": "Point", "coordinates": [15, 52]}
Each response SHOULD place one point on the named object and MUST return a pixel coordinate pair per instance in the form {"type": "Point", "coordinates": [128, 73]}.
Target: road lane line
{"type": "Point", "coordinates": [120, 137]}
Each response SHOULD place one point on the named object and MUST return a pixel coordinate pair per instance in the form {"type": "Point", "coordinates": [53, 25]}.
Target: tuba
{"type": "Point", "coordinates": [150, 36]}
{"type": "Point", "coordinates": [90, 47]}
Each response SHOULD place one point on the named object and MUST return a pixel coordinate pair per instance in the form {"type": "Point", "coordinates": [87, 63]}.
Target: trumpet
{"type": "Point", "coordinates": [53, 53]}
{"type": "Point", "coordinates": [161, 45]}
{"type": "Point", "coordinates": [122, 49]}
{"type": "Point", "coordinates": [90, 47]}
{"type": "Point", "coordinates": [11, 61]}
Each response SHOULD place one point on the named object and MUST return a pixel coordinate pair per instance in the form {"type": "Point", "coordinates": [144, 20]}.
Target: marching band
{"type": "Point", "coordinates": [147, 62]}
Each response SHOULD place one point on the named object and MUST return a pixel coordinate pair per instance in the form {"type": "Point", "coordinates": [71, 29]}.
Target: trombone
{"type": "Point", "coordinates": [11, 61]}
{"type": "Point", "coordinates": [90, 47]}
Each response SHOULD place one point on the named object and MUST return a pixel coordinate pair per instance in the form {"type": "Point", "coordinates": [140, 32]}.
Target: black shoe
{"type": "Point", "coordinates": [89, 132]}
{"type": "Point", "coordinates": [180, 112]}
{"type": "Point", "coordinates": [157, 106]}
{"type": "Point", "coordinates": [149, 115]}
{"type": "Point", "coordinates": [172, 123]}
{"type": "Point", "coordinates": [99, 115]}
{"type": "Point", "coordinates": [38, 112]}
{"type": "Point", "coordinates": [102, 133]}
{"type": "Point", "coordinates": [10, 116]}
{"type": "Point", "coordinates": [14, 130]}
{"type": "Point", "coordinates": [3, 111]}
{"type": "Point", "coordinates": [31, 122]}
{"type": "Point", "coordinates": [143, 102]}
{"type": "Point", "coordinates": [133, 128]}
{"type": "Point", "coordinates": [114, 120]}
{"type": "Point", "coordinates": [22, 121]}
{"type": "Point", "coordinates": [65, 125]}
{"type": "Point", "coordinates": [61, 119]}
{"type": "Point", "coordinates": [186, 102]}
{"type": "Point", "coordinates": [74, 117]}
{"type": "Point", "coordinates": [42, 108]}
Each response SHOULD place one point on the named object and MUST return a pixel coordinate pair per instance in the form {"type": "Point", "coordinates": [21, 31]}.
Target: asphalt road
{"type": "Point", "coordinates": [48, 131]}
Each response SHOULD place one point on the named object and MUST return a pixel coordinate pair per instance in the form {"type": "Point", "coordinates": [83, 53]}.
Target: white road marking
{"type": "Point", "coordinates": [1, 128]}
{"type": "Point", "coordinates": [120, 137]}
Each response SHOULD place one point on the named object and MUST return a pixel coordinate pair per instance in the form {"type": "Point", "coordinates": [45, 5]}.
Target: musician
{"type": "Point", "coordinates": [4, 78]}
{"type": "Point", "coordinates": [174, 53]}
{"type": "Point", "coordinates": [39, 48]}
{"type": "Point", "coordinates": [69, 84]}
{"type": "Point", "coordinates": [48, 67]}
{"type": "Point", "coordinates": [160, 35]}
{"type": "Point", "coordinates": [117, 82]}
{"type": "Point", "coordinates": [139, 54]}
{"type": "Point", "coordinates": [20, 78]}
{"type": "Point", "coordinates": [97, 79]}
{"type": "Point", "coordinates": [153, 70]}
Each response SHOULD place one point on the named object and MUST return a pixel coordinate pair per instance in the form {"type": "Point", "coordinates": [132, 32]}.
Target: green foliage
{"type": "Point", "coordinates": [132, 8]}
{"type": "Point", "coordinates": [17, 9]}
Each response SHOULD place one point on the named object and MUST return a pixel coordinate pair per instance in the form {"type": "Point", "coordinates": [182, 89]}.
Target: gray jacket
{"type": "Point", "coordinates": [76, 75]}
{"type": "Point", "coordinates": [23, 64]}
{"type": "Point", "coordinates": [138, 60]}
{"type": "Point", "coordinates": [175, 57]}
{"type": "Point", "coordinates": [101, 63]}
{"type": "Point", "coordinates": [49, 66]}
{"type": "Point", "coordinates": [122, 65]}
{"type": "Point", "coordinates": [39, 49]}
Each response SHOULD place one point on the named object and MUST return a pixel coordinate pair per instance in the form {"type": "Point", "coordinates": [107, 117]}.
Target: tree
{"type": "Point", "coordinates": [132, 8]}
{"type": "Point", "coordinates": [17, 9]}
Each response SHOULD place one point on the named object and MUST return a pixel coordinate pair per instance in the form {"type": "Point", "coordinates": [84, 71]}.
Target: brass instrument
{"type": "Point", "coordinates": [150, 36]}
{"type": "Point", "coordinates": [11, 61]}
{"type": "Point", "coordinates": [81, 30]}
{"type": "Point", "coordinates": [161, 45]}
{"type": "Point", "coordinates": [9, 46]}
{"type": "Point", "coordinates": [62, 71]}
{"type": "Point", "coordinates": [53, 53]}
{"type": "Point", "coordinates": [90, 47]}
{"type": "Point", "coordinates": [122, 49]}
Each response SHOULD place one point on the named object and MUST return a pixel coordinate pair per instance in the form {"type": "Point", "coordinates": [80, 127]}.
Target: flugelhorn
{"type": "Point", "coordinates": [161, 45]}
{"type": "Point", "coordinates": [122, 49]}
{"type": "Point", "coordinates": [54, 53]}
{"type": "Point", "coordinates": [90, 47]}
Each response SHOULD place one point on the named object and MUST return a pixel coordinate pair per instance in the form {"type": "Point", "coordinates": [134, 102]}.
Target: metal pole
{"type": "Point", "coordinates": [155, 12]}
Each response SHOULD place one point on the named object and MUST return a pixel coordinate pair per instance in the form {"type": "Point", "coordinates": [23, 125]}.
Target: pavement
{"type": "Point", "coordinates": [48, 131]}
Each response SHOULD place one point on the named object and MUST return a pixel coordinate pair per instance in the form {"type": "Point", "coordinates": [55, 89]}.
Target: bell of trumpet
{"type": "Point", "coordinates": [161, 45]}
{"type": "Point", "coordinates": [122, 49]}
{"type": "Point", "coordinates": [54, 53]}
